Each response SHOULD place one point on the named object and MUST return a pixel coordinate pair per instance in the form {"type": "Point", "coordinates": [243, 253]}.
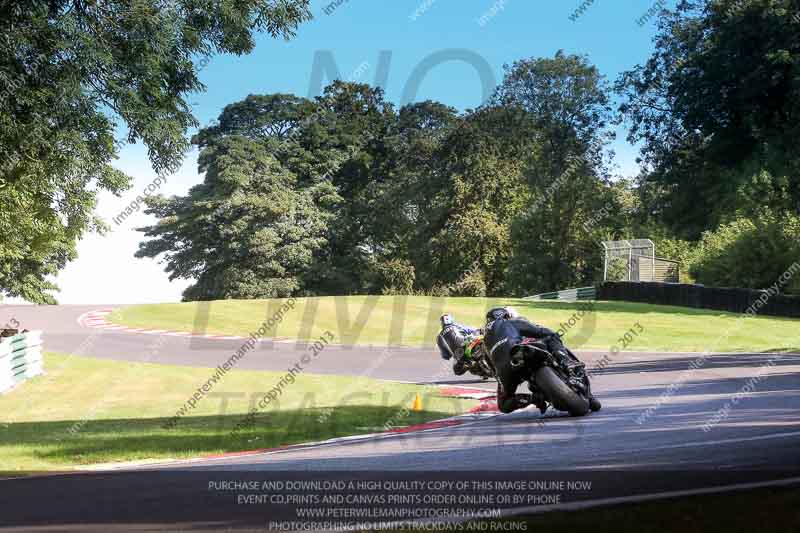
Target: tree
{"type": "Point", "coordinates": [422, 199]}
{"type": "Point", "coordinates": [351, 126]}
{"type": "Point", "coordinates": [484, 189]}
{"type": "Point", "coordinates": [333, 149]}
{"type": "Point", "coordinates": [72, 70]}
{"type": "Point", "coordinates": [405, 203]}
{"type": "Point", "coordinates": [567, 102]}
{"type": "Point", "coordinates": [717, 111]}
{"type": "Point", "coordinates": [755, 253]}
{"type": "Point", "coordinates": [248, 231]}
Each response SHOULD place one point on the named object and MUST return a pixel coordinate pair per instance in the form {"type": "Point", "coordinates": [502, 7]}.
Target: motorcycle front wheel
{"type": "Point", "coordinates": [560, 395]}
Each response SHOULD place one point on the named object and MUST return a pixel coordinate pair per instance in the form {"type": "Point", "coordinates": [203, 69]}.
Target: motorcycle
{"type": "Point", "coordinates": [559, 375]}
{"type": "Point", "coordinates": [477, 360]}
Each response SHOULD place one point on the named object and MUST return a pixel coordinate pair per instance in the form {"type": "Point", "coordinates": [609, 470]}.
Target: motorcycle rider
{"type": "Point", "coordinates": [503, 333]}
{"type": "Point", "coordinates": [452, 342]}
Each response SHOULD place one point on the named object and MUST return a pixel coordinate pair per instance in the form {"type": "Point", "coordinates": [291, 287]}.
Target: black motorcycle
{"type": "Point", "coordinates": [559, 375]}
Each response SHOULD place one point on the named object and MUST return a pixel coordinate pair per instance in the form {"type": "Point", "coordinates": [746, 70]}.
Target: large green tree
{"type": "Point", "coordinates": [567, 102]}
{"type": "Point", "coordinates": [250, 230]}
{"type": "Point", "coordinates": [74, 73]}
{"type": "Point", "coordinates": [716, 109]}
{"type": "Point", "coordinates": [357, 121]}
{"type": "Point", "coordinates": [419, 199]}
{"type": "Point", "coordinates": [405, 201]}
{"type": "Point", "coordinates": [333, 147]}
{"type": "Point", "coordinates": [483, 190]}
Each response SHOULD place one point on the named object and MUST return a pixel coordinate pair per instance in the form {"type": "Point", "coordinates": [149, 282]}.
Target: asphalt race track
{"type": "Point", "coordinates": [654, 410]}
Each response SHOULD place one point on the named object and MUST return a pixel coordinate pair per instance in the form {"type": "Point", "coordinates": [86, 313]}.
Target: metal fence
{"type": "Point", "coordinates": [581, 293]}
{"type": "Point", "coordinates": [699, 296]}
{"type": "Point", "coordinates": [624, 256]}
{"type": "Point", "coordinates": [20, 358]}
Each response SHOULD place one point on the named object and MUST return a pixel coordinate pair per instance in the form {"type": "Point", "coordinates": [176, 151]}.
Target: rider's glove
{"type": "Point", "coordinates": [518, 358]}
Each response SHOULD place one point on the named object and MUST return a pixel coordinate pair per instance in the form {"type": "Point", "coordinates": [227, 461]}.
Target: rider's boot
{"type": "Point", "coordinates": [594, 405]}
{"type": "Point", "coordinates": [460, 368]}
{"type": "Point", "coordinates": [537, 399]}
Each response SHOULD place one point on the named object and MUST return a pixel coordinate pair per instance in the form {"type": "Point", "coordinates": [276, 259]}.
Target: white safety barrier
{"type": "Point", "coordinates": [20, 358]}
{"type": "Point", "coordinates": [582, 293]}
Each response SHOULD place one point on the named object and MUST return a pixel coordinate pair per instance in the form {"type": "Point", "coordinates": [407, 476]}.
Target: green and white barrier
{"type": "Point", "coordinates": [581, 293]}
{"type": "Point", "coordinates": [20, 358]}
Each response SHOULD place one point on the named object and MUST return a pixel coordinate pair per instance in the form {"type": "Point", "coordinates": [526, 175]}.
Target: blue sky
{"type": "Point", "coordinates": [355, 33]}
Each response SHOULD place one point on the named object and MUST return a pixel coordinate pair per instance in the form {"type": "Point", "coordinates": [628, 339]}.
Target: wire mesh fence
{"type": "Point", "coordinates": [629, 260]}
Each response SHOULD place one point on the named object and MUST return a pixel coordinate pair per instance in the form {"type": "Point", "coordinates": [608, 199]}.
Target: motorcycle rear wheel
{"type": "Point", "coordinates": [560, 395]}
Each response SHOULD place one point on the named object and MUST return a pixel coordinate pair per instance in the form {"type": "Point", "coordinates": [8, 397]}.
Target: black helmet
{"type": "Point", "coordinates": [451, 342]}
{"type": "Point", "coordinates": [496, 313]}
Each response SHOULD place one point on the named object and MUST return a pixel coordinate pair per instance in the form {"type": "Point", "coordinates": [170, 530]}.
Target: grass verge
{"type": "Point", "coordinates": [413, 321]}
{"type": "Point", "coordinates": [86, 411]}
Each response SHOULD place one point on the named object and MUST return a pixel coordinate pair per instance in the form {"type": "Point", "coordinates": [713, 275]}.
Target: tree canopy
{"type": "Point", "coordinates": [717, 110]}
{"type": "Point", "coordinates": [74, 73]}
{"type": "Point", "coordinates": [568, 104]}
{"type": "Point", "coordinates": [249, 230]}
{"type": "Point", "coordinates": [515, 196]}
{"type": "Point", "coordinates": [417, 199]}
{"type": "Point", "coordinates": [346, 193]}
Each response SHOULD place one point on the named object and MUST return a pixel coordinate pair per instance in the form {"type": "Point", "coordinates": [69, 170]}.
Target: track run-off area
{"type": "Point", "coordinates": [671, 423]}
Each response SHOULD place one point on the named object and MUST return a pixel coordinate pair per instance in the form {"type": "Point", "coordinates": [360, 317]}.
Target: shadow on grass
{"type": "Point", "coordinates": [76, 442]}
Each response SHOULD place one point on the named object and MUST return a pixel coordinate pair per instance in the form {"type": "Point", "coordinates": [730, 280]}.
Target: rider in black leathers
{"type": "Point", "coordinates": [503, 333]}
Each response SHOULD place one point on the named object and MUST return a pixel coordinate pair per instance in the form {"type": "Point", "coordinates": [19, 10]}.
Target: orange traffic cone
{"type": "Point", "coordinates": [417, 405]}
